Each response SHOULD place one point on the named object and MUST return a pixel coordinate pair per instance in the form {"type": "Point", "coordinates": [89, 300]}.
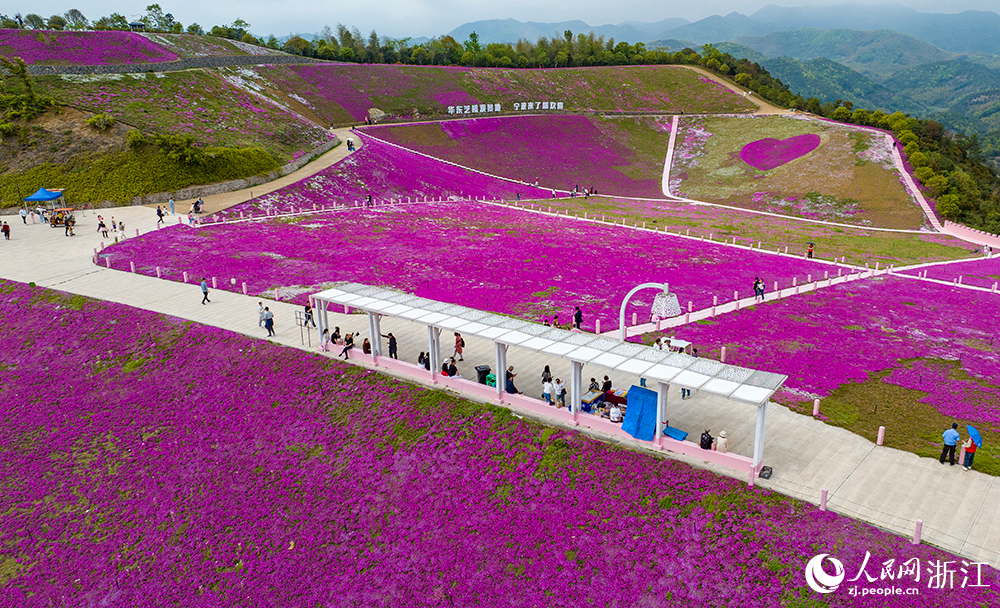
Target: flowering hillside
{"type": "Point", "coordinates": [484, 256]}
{"type": "Point", "coordinates": [42, 47]}
{"type": "Point", "coordinates": [619, 156]}
{"type": "Point", "coordinates": [177, 464]}
{"type": "Point", "coordinates": [793, 166]}
{"type": "Point", "coordinates": [342, 93]}
{"type": "Point", "coordinates": [186, 45]}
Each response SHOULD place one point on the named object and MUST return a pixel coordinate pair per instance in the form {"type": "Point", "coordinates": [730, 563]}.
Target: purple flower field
{"type": "Point", "coordinates": [982, 272]}
{"type": "Point", "coordinates": [840, 335]}
{"type": "Point", "coordinates": [616, 156]}
{"type": "Point", "coordinates": [485, 256]}
{"type": "Point", "coordinates": [39, 47]}
{"type": "Point", "coordinates": [768, 153]}
{"type": "Point", "coordinates": [177, 464]}
{"type": "Point", "coordinates": [385, 172]}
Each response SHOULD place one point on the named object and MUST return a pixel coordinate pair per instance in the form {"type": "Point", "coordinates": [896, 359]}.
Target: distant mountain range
{"type": "Point", "coordinates": [887, 57]}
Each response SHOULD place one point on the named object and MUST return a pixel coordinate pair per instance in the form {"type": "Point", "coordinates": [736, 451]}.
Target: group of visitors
{"type": "Point", "coordinates": [758, 289]}
{"type": "Point", "coordinates": [577, 319]}
{"type": "Point", "coordinates": [951, 438]}
{"type": "Point", "coordinates": [715, 444]}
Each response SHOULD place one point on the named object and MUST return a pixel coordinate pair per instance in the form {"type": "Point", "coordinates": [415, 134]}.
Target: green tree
{"type": "Point", "coordinates": [918, 159]}
{"type": "Point", "coordinates": [195, 30]}
{"type": "Point", "coordinates": [472, 44]}
{"type": "Point", "coordinates": [298, 45]}
{"type": "Point", "coordinates": [948, 206]}
{"type": "Point", "coordinates": [56, 22]}
{"type": "Point", "coordinates": [842, 114]}
{"type": "Point", "coordinates": [34, 21]}
{"type": "Point", "coordinates": [75, 20]}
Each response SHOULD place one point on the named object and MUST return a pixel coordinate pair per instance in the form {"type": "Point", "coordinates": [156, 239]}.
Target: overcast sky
{"type": "Point", "coordinates": [399, 18]}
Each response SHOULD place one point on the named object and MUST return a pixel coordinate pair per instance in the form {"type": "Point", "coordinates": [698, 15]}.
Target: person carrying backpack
{"type": "Point", "coordinates": [706, 440]}
{"type": "Point", "coordinates": [459, 345]}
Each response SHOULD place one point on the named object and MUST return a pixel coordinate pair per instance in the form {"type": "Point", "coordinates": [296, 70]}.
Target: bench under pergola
{"type": "Point", "coordinates": [666, 368]}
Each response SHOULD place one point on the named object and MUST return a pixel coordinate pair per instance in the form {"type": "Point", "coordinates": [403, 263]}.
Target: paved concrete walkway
{"type": "Point", "coordinates": [886, 487]}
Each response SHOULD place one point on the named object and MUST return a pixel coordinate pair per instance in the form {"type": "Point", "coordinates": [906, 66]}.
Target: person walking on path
{"type": "Point", "coordinates": [102, 227]}
{"type": "Point", "coordinates": [459, 345]}
{"type": "Point", "coordinates": [159, 214]}
{"type": "Point", "coordinates": [950, 439]}
{"type": "Point", "coordinates": [24, 216]}
{"type": "Point", "coordinates": [6, 231]}
{"type": "Point", "coordinates": [204, 291]}
{"type": "Point", "coordinates": [392, 345]}
{"type": "Point", "coordinates": [308, 316]}
{"type": "Point", "coordinates": [171, 203]}
{"type": "Point", "coordinates": [268, 321]}
{"type": "Point", "coordinates": [260, 314]}
{"type": "Point", "coordinates": [809, 252]}
{"type": "Point", "coordinates": [578, 318]}
{"type": "Point", "coordinates": [970, 453]}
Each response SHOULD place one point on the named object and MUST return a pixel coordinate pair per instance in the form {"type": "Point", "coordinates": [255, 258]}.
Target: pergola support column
{"type": "Point", "coordinates": [324, 320]}
{"type": "Point", "coordinates": [501, 373]}
{"type": "Point", "coordinates": [434, 351]}
{"type": "Point", "coordinates": [576, 391]}
{"type": "Point", "coordinates": [758, 440]}
{"type": "Point", "coordinates": [661, 411]}
{"type": "Point", "coordinates": [372, 331]}
{"type": "Point", "coordinates": [377, 342]}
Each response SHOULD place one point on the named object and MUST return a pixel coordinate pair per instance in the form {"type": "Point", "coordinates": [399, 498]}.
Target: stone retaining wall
{"type": "Point", "coordinates": [185, 63]}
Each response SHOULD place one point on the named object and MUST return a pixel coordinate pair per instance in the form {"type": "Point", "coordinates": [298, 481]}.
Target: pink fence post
{"type": "Point", "coordinates": [736, 295]}
{"type": "Point", "coordinates": [185, 277]}
{"type": "Point", "coordinates": [838, 271]}
{"type": "Point", "coordinates": [102, 245]}
{"type": "Point", "coordinates": [659, 324]}
{"type": "Point", "coordinates": [244, 288]}
{"type": "Point", "coordinates": [687, 318]}
{"type": "Point", "coordinates": [180, 220]}
{"type": "Point", "coordinates": [961, 456]}
{"type": "Point", "coordinates": [635, 320]}
{"type": "Point", "coordinates": [159, 275]}
{"type": "Point", "coordinates": [137, 232]}
{"type": "Point", "coordinates": [241, 215]}
{"type": "Point", "coordinates": [107, 262]}
{"type": "Point", "coordinates": [157, 225]}
{"type": "Point", "coordinates": [95, 253]}
{"type": "Point", "coordinates": [917, 530]}
{"type": "Point", "coordinates": [131, 265]}
{"type": "Point", "coordinates": [723, 356]}
{"type": "Point", "coordinates": [881, 436]}
{"type": "Point", "coordinates": [786, 248]}
{"type": "Point", "coordinates": [876, 266]}
{"type": "Point", "coordinates": [215, 284]}
{"type": "Point", "coordinates": [347, 309]}
{"type": "Point", "coordinates": [715, 301]}
{"type": "Point", "coordinates": [822, 499]}
{"type": "Point", "coordinates": [597, 326]}
{"type": "Point", "coordinates": [815, 408]}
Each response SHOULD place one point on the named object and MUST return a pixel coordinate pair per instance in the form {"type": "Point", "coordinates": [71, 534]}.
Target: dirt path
{"type": "Point", "coordinates": [764, 107]}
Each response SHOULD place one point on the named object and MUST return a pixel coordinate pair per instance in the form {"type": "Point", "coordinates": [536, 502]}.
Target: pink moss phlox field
{"type": "Point", "coordinates": [150, 462]}
{"type": "Point", "coordinates": [768, 153]}
{"type": "Point", "coordinates": [983, 272]}
{"type": "Point", "coordinates": [489, 257]}
{"type": "Point", "coordinates": [385, 172]}
{"type": "Point", "coordinates": [558, 151]}
{"type": "Point", "coordinates": [40, 47]}
{"type": "Point", "coordinates": [825, 339]}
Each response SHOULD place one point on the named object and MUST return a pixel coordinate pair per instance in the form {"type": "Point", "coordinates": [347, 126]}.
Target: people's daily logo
{"type": "Point", "coordinates": [817, 577]}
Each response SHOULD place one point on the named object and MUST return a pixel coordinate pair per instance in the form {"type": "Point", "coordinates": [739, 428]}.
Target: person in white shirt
{"type": "Point", "coordinates": [560, 389]}
{"type": "Point", "coordinates": [616, 413]}
{"type": "Point", "coordinates": [547, 392]}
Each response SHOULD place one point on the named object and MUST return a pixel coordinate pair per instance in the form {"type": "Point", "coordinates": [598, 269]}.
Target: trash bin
{"type": "Point", "coordinates": [483, 371]}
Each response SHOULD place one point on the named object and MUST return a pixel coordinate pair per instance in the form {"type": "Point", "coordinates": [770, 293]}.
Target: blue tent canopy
{"type": "Point", "coordinates": [43, 195]}
{"type": "Point", "coordinates": [640, 415]}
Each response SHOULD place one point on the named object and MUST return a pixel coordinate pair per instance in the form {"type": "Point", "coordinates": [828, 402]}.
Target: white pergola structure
{"type": "Point", "coordinates": [664, 367]}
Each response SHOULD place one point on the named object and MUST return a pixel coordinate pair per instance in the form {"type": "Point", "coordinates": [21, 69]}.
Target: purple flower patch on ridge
{"type": "Point", "coordinates": [768, 153]}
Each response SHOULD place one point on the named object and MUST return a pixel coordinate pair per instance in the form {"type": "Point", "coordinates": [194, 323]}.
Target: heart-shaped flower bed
{"type": "Point", "coordinates": [768, 153]}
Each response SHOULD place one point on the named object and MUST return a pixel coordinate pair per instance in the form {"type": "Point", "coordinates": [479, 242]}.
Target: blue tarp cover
{"type": "Point", "coordinates": [640, 415]}
{"type": "Point", "coordinates": [43, 195]}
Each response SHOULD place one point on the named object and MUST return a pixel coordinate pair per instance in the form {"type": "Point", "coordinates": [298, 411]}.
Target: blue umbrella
{"type": "Point", "coordinates": [976, 437]}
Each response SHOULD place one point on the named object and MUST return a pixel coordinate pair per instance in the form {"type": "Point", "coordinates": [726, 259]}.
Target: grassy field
{"type": "Point", "coordinates": [858, 245]}
{"type": "Point", "coordinates": [848, 179]}
{"type": "Point", "coordinates": [342, 93]}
